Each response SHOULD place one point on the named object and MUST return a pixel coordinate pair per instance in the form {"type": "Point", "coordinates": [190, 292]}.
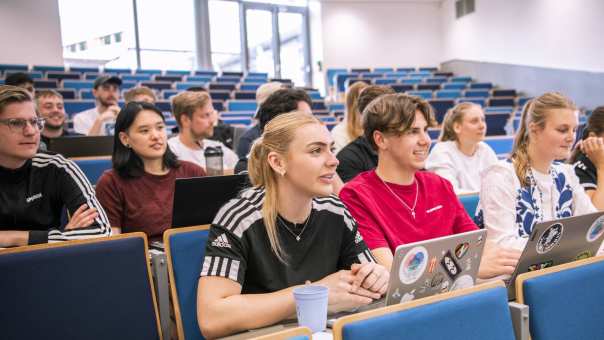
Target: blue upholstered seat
{"type": "Point", "coordinates": [479, 314]}
{"type": "Point", "coordinates": [565, 302]}
{"type": "Point", "coordinates": [93, 289]}
{"type": "Point", "coordinates": [185, 250]}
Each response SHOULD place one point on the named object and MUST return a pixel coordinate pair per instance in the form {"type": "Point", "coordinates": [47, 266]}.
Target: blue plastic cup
{"type": "Point", "coordinates": [311, 306]}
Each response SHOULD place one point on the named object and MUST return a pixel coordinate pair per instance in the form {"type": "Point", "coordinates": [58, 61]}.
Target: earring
{"type": "Point", "coordinates": [283, 173]}
{"type": "Point", "coordinates": [128, 146]}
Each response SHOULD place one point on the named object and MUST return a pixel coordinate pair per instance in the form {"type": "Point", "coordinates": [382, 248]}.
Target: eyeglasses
{"type": "Point", "coordinates": [17, 125]}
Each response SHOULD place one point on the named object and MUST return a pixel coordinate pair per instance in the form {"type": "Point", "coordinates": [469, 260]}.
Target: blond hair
{"type": "Point", "coordinates": [352, 115]}
{"type": "Point", "coordinates": [12, 94]}
{"type": "Point", "coordinates": [534, 111]}
{"type": "Point", "coordinates": [142, 90]}
{"type": "Point", "coordinates": [265, 90]}
{"type": "Point", "coordinates": [187, 102]}
{"type": "Point", "coordinates": [454, 116]}
{"type": "Point", "coordinates": [277, 137]}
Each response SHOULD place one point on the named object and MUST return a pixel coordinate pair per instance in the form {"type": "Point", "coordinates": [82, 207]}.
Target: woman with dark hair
{"type": "Point", "coordinates": [138, 192]}
{"type": "Point", "coordinates": [588, 159]}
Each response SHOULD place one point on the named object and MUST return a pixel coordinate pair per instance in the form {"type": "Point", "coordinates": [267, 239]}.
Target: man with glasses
{"type": "Point", "coordinates": [99, 120]}
{"type": "Point", "coordinates": [49, 104]}
{"type": "Point", "coordinates": [37, 187]}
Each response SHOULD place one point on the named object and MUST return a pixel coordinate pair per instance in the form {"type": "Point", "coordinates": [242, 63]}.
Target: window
{"type": "Point", "coordinates": [225, 35]}
{"type": "Point", "coordinates": [118, 37]}
{"type": "Point", "coordinates": [86, 24]}
{"type": "Point", "coordinates": [106, 40]}
{"type": "Point", "coordinates": [167, 34]}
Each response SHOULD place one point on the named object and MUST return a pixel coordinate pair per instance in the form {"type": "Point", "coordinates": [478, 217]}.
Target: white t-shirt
{"type": "Point", "coordinates": [340, 136]}
{"type": "Point", "coordinates": [463, 171]}
{"type": "Point", "coordinates": [510, 212]}
{"type": "Point", "coordinates": [229, 157]}
{"type": "Point", "coordinates": [83, 121]}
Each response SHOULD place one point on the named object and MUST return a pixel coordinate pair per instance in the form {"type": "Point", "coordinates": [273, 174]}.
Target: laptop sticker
{"type": "Point", "coordinates": [432, 264]}
{"type": "Point", "coordinates": [596, 230]}
{"type": "Point", "coordinates": [479, 240]}
{"type": "Point", "coordinates": [408, 296]}
{"type": "Point", "coordinates": [450, 266]}
{"type": "Point", "coordinates": [437, 280]}
{"type": "Point", "coordinates": [461, 250]}
{"type": "Point", "coordinates": [550, 238]}
{"type": "Point", "coordinates": [542, 265]}
{"type": "Point", "coordinates": [413, 265]}
{"type": "Point", "coordinates": [444, 287]}
{"type": "Point", "coordinates": [464, 281]}
{"type": "Point", "coordinates": [584, 255]}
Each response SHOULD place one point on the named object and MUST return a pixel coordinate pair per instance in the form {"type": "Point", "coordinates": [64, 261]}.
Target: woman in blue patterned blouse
{"type": "Point", "coordinates": [532, 186]}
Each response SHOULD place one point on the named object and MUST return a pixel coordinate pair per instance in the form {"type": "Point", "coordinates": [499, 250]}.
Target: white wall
{"type": "Point", "coordinates": [381, 33]}
{"type": "Point", "coordinates": [564, 34]}
{"type": "Point", "coordinates": [30, 32]}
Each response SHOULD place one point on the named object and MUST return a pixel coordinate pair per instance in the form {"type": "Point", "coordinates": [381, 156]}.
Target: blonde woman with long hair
{"type": "Point", "coordinates": [461, 154]}
{"type": "Point", "coordinates": [532, 186]}
{"type": "Point", "coordinates": [284, 231]}
{"type": "Point", "coordinates": [350, 128]}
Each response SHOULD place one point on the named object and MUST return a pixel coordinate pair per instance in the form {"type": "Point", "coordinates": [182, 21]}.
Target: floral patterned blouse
{"type": "Point", "coordinates": [510, 212]}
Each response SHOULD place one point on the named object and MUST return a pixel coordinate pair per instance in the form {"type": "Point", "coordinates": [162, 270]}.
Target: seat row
{"type": "Point", "coordinates": [560, 302]}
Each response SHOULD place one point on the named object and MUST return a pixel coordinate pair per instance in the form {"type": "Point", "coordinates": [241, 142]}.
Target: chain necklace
{"type": "Point", "coordinates": [538, 188]}
{"type": "Point", "coordinates": [284, 224]}
{"type": "Point", "coordinates": [411, 209]}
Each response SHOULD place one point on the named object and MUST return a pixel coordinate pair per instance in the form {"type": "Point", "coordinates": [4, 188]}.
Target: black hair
{"type": "Point", "coordinates": [125, 161]}
{"type": "Point", "coordinates": [595, 124]}
{"type": "Point", "coordinates": [18, 78]}
{"type": "Point", "coordinates": [281, 101]}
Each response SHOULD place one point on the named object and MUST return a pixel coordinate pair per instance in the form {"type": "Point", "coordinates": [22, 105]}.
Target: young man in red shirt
{"type": "Point", "coordinates": [397, 203]}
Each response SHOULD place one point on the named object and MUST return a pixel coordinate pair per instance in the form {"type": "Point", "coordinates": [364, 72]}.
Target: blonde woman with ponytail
{"type": "Point", "coordinates": [461, 154]}
{"type": "Point", "coordinates": [533, 185]}
{"type": "Point", "coordinates": [286, 230]}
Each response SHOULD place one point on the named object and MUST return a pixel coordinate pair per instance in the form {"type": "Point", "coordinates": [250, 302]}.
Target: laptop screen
{"type": "Point", "coordinates": [198, 199]}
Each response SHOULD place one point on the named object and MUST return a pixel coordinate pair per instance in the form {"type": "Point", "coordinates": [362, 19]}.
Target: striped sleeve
{"type": "Point", "coordinates": [224, 255]}
{"type": "Point", "coordinates": [226, 248]}
{"type": "Point", "coordinates": [354, 249]}
{"type": "Point", "coordinates": [73, 189]}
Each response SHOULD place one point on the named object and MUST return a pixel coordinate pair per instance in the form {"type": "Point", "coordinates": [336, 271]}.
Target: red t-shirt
{"type": "Point", "coordinates": [143, 203]}
{"type": "Point", "coordinates": [385, 222]}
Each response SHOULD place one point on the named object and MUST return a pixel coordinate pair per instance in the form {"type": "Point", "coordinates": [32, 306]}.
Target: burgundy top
{"type": "Point", "coordinates": [386, 222]}
{"type": "Point", "coordinates": [143, 203]}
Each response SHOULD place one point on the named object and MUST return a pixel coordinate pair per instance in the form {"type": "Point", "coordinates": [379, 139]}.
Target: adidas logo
{"type": "Point", "coordinates": [221, 242]}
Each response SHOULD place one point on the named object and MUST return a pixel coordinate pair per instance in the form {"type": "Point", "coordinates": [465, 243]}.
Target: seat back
{"type": "Point", "coordinates": [480, 312]}
{"type": "Point", "coordinates": [185, 250]}
{"type": "Point", "coordinates": [470, 202]}
{"type": "Point", "coordinates": [89, 289]}
{"type": "Point", "coordinates": [298, 333]}
{"type": "Point", "coordinates": [565, 301]}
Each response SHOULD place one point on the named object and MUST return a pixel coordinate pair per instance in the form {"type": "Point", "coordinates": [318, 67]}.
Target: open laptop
{"type": "Point", "coordinates": [82, 146]}
{"type": "Point", "coordinates": [430, 267]}
{"type": "Point", "coordinates": [435, 266]}
{"type": "Point", "coordinates": [198, 199]}
{"type": "Point", "coordinates": [557, 242]}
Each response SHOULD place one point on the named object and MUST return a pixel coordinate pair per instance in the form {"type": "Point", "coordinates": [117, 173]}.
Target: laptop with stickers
{"type": "Point", "coordinates": [435, 266]}
{"type": "Point", "coordinates": [557, 242]}
{"type": "Point", "coordinates": [430, 267]}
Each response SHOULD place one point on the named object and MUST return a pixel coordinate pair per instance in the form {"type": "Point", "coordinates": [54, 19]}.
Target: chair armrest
{"type": "Point", "coordinates": [520, 320]}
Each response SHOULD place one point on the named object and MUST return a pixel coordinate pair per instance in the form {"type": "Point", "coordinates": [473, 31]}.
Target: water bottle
{"type": "Point", "coordinates": [213, 157]}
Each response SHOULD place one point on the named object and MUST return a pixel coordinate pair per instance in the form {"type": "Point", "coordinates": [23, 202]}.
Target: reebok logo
{"type": "Point", "coordinates": [33, 197]}
{"type": "Point", "coordinates": [221, 242]}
